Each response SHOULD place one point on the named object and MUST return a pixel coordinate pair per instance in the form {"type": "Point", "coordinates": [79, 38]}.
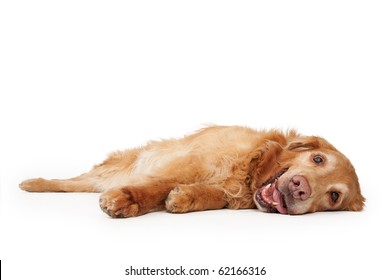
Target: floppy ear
{"type": "Point", "coordinates": [308, 143]}
{"type": "Point", "coordinates": [357, 204]}
{"type": "Point", "coordinates": [303, 143]}
{"type": "Point", "coordinates": [264, 163]}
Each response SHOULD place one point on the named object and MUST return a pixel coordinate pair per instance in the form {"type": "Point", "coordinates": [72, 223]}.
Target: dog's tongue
{"type": "Point", "coordinates": [277, 197]}
{"type": "Point", "coordinates": [272, 196]}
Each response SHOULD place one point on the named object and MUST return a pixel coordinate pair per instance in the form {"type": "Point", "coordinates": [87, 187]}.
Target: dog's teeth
{"type": "Point", "coordinates": [275, 203]}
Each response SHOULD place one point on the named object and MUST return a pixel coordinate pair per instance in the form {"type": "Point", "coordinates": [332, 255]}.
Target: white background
{"type": "Point", "coordinates": [80, 79]}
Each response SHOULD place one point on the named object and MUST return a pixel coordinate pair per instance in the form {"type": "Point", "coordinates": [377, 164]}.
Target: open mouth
{"type": "Point", "coordinates": [268, 198]}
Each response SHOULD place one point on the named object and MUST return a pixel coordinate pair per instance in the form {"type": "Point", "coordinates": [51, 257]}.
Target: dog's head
{"type": "Point", "coordinates": [306, 175]}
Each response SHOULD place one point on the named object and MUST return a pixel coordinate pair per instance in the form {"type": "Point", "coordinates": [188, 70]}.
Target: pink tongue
{"type": "Point", "coordinates": [277, 197]}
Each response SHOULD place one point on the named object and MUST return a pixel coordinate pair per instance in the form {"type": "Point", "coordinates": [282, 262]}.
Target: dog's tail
{"type": "Point", "coordinates": [115, 171]}
{"type": "Point", "coordinates": [77, 184]}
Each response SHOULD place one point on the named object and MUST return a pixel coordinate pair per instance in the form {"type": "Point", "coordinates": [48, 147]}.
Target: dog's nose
{"type": "Point", "coordinates": [299, 188]}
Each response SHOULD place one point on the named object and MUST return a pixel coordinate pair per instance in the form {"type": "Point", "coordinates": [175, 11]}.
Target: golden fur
{"type": "Point", "coordinates": [220, 167]}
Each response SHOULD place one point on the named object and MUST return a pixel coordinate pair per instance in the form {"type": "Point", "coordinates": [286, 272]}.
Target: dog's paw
{"type": "Point", "coordinates": [119, 203]}
{"type": "Point", "coordinates": [179, 200]}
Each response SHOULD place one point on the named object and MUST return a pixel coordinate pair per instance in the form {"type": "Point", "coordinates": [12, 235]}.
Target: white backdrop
{"type": "Point", "coordinates": [80, 79]}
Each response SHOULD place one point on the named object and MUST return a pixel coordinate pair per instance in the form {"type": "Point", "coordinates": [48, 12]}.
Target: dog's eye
{"type": "Point", "coordinates": [318, 159]}
{"type": "Point", "coordinates": [334, 196]}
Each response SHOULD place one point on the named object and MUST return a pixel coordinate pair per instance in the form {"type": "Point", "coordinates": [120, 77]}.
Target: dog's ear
{"type": "Point", "coordinates": [308, 143]}
{"type": "Point", "coordinates": [264, 163]}
{"type": "Point", "coordinates": [356, 204]}
{"type": "Point", "coordinates": [302, 144]}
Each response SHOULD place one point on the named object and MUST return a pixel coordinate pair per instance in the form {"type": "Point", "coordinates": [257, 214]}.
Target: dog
{"type": "Point", "coordinates": [219, 167]}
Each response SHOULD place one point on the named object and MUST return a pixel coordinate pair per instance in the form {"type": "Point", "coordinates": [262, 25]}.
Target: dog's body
{"type": "Point", "coordinates": [220, 167]}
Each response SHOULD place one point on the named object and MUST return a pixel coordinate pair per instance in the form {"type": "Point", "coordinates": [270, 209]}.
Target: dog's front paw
{"type": "Point", "coordinates": [179, 200]}
{"type": "Point", "coordinates": [119, 203]}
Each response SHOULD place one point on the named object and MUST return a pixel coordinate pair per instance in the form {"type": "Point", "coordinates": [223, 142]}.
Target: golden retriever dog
{"type": "Point", "coordinates": [220, 167]}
